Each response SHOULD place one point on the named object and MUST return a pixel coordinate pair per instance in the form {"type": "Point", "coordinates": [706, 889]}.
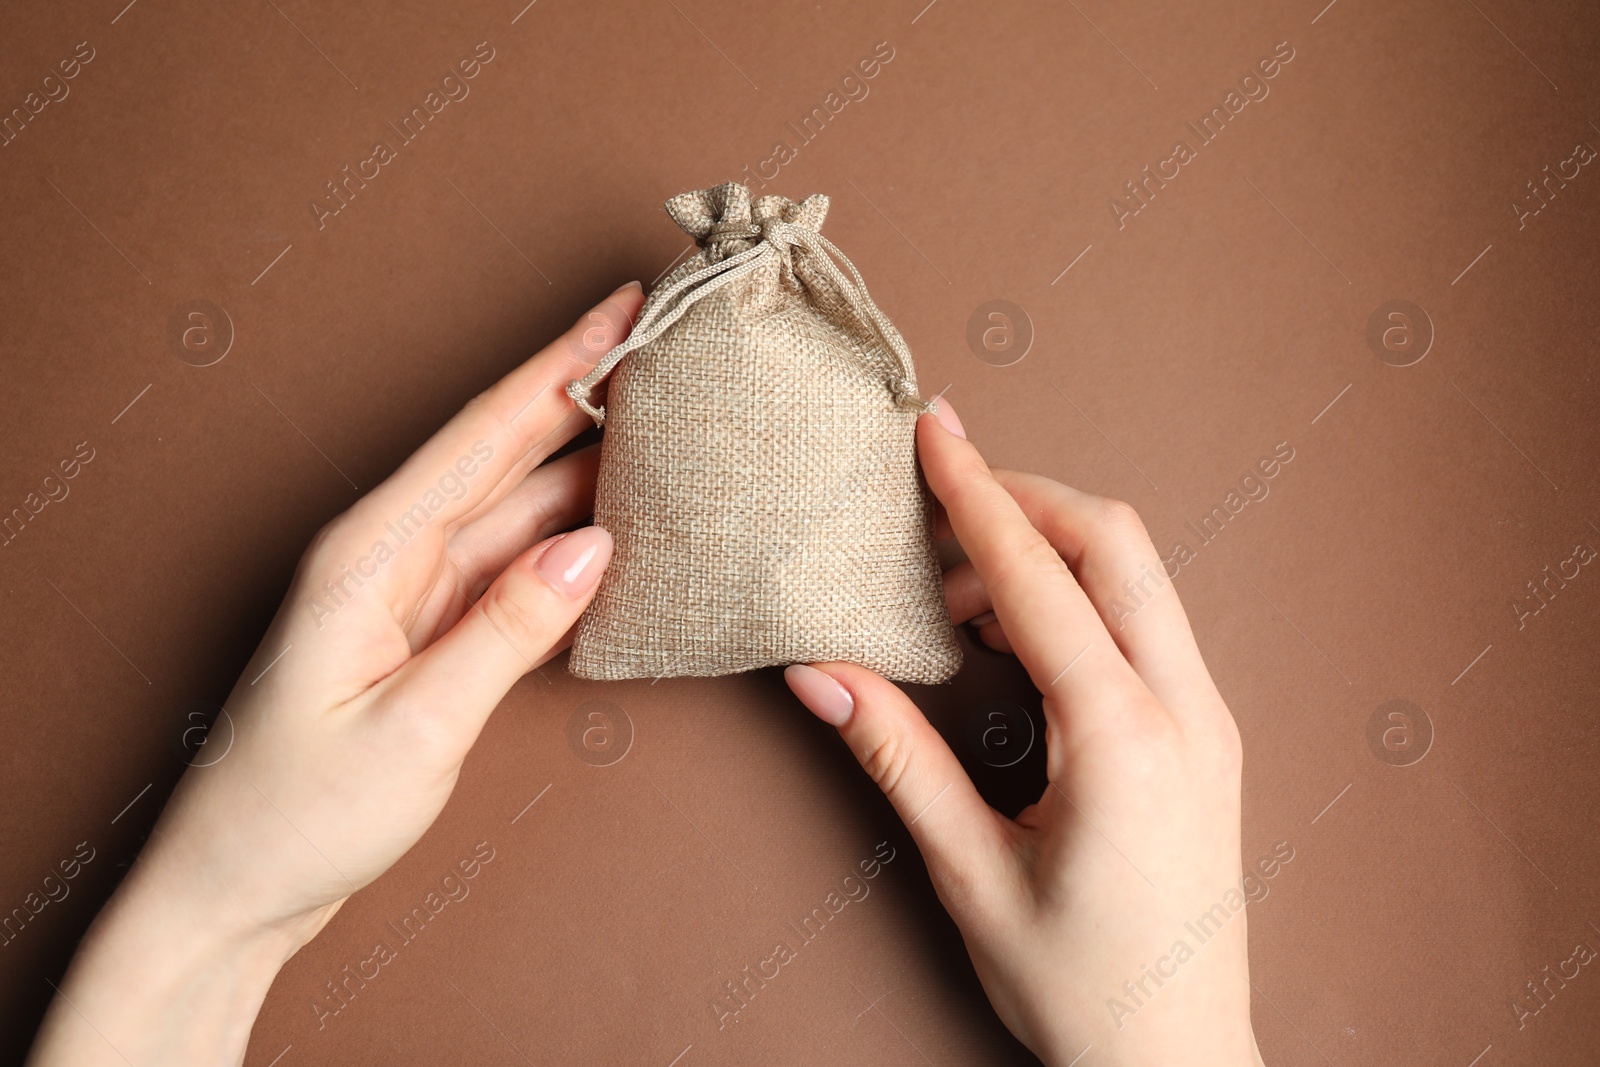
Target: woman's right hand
{"type": "Point", "coordinates": [1082, 914]}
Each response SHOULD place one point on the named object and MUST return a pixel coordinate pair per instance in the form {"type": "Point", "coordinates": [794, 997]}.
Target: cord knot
{"type": "Point", "coordinates": [904, 391]}
{"type": "Point", "coordinates": [578, 390]}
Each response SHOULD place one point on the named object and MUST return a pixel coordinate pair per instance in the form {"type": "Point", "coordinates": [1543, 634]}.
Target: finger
{"type": "Point", "coordinates": [553, 497]}
{"type": "Point", "coordinates": [482, 453]}
{"type": "Point", "coordinates": [961, 837]}
{"type": "Point", "coordinates": [1056, 632]}
{"type": "Point", "coordinates": [967, 600]}
{"type": "Point", "coordinates": [508, 632]}
{"type": "Point", "coordinates": [965, 595]}
{"type": "Point", "coordinates": [1106, 545]}
{"type": "Point", "coordinates": [992, 634]}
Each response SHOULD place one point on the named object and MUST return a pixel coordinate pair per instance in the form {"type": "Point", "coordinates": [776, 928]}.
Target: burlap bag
{"type": "Point", "coordinates": [759, 469]}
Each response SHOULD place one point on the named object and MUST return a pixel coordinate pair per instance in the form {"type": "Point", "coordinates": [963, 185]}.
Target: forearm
{"type": "Point", "coordinates": [158, 980]}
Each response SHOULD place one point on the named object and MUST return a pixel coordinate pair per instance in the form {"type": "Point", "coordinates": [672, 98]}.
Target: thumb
{"type": "Point", "coordinates": [512, 627]}
{"type": "Point", "coordinates": [959, 834]}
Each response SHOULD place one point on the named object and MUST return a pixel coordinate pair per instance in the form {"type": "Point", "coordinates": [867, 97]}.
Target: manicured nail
{"type": "Point", "coordinates": [948, 418]}
{"type": "Point", "coordinates": [827, 699]}
{"type": "Point", "coordinates": [983, 620]}
{"type": "Point", "coordinates": [573, 564]}
{"type": "Point", "coordinates": [624, 288]}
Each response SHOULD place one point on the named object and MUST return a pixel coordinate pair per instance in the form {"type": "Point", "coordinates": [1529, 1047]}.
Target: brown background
{"type": "Point", "coordinates": [1224, 318]}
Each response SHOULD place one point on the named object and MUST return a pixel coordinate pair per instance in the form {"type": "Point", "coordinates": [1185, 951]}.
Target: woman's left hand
{"type": "Point", "coordinates": [409, 618]}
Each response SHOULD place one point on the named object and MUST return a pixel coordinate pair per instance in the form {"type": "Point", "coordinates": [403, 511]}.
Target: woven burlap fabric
{"type": "Point", "coordinates": [758, 469]}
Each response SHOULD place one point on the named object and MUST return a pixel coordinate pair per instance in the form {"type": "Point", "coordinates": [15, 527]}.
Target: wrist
{"type": "Point", "coordinates": [218, 905]}
{"type": "Point", "coordinates": [164, 976]}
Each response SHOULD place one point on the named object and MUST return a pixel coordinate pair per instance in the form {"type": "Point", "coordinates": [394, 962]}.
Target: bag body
{"type": "Point", "coordinates": [758, 471]}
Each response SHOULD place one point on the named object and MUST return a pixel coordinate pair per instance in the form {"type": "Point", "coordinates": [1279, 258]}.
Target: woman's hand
{"type": "Point", "coordinates": [410, 617]}
{"type": "Point", "coordinates": [1073, 911]}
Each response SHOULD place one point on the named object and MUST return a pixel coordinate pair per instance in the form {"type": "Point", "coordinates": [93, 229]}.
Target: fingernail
{"type": "Point", "coordinates": [827, 699]}
{"type": "Point", "coordinates": [948, 418]}
{"type": "Point", "coordinates": [573, 564]}
{"type": "Point", "coordinates": [983, 620]}
{"type": "Point", "coordinates": [624, 288]}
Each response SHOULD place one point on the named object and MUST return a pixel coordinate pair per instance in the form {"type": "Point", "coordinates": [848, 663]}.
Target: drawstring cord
{"type": "Point", "coordinates": [678, 298]}
{"type": "Point", "coordinates": [903, 386]}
